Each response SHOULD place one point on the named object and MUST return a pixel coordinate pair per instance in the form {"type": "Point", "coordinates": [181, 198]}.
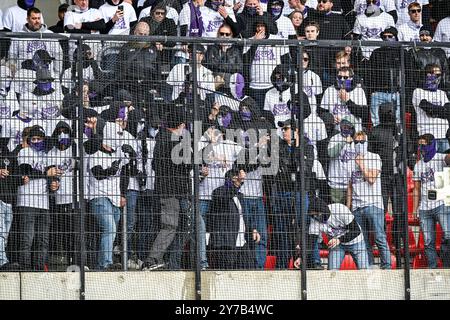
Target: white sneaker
{"type": "Point", "coordinates": [134, 265]}
{"type": "Point", "coordinates": [117, 250]}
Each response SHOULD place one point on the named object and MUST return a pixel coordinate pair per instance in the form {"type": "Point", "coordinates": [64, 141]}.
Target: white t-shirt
{"type": "Point", "coordinates": [128, 138]}
{"type": "Point", "coordinates": [285, 27]}
{"type": "Point", "coordinates": [64, 161]}
{"type": "Point", "coordinates": [212, 20]}
{"type": "Point", "coordinates": [69, 83]}
{"type": "Point", "coordinates": [409, 31]}
{"type": "Point", "coordinates": [402, 9]}
{"type": "Point", "coordinates": [150, 173]}
{"type": "Point", "coordinates": [43, 107]}
{"type": "Point", "coordinates": [360, 6]}
{"type": "Point", "coordinates": [12, 128]}
{"type": "Point", "coordinates": [177, 77]}
{"type": "Point", "coordinates": [122, 26]}
{"type": "Point", "coordinates": [424, 172]}
{"type": "Point", "coordinates": [335, 227]}
{"type": "Point", "coordinates": [279, 109]}
{"type": "Point", "coordinates": [252, 187]}
{"type": "Point", "coordinates": [33, 194]}
{"type": "Point", "coordinates": [171, 14]}
{"type": "Point", "coordinates": [240, 239]}
{"type": "Point", "coordinates": [15, 17]}
{"type": "Point", "coordinates": [332, 103]}
{"type": "Point", "coordinates": [1, 19]}
{"type": "Point", "coordinates": [341, 166]}
{"type": "Point", "coordinates": [442, 33]}
{"type": "Point", "coordinates": [366, 194]}
{"type": "Point", "coordinates": [370, 29]}
{"type": "Point", "coordinates": [436, 126]}
{"type": "Point", "coordinates": [312, 86]}
{"type": "Point", "coordinates": [109, 187]}
{"type": "Point", "coordinates": [265, 60]}
{"type": "Point", "coordinates": [75, 16]}
{"type": "Point", "coordinates": [221, 157]}
{"type": "Point", "coordinates": [315, 130]}
{"type": "Point", "coordinates": [113, 135]}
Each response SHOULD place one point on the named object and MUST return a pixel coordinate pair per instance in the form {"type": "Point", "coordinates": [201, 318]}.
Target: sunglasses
{"type": "Point", "coordinates": [344, 77]}
{"type": "Point", "coordinates": [225, 34]}
{"type": "Point", "coordinates": [360, 141]}
{"type": "Point", "coordinates": [388, 36]}
{"type": "Point", "coordinates": [323, 1]}
{"type": "Point", "coordinates": [159, 13]}
{"type": "Point", "coordinates": [415, 11]}
{"type": "Point", "coordinates": [305, 59]}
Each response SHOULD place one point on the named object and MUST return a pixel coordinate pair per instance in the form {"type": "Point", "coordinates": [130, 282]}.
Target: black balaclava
{"type": "Point", "coordinates": [25, 4]}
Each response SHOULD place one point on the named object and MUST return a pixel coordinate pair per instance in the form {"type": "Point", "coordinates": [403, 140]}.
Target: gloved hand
{"type": "Point", "coordinates": [114, 168]}
{"type": "Point", "coordinates": [126, 148]}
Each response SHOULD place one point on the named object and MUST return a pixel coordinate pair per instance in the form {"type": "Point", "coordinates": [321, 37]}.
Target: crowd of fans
{"type": "Point", "coordinates": [328, 160]}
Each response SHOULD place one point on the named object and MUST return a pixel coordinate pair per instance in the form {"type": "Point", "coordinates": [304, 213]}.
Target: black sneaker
{"type": "Point", "coordinates": [10, 267]}
{"type": "Point", "coordinates": [152, 264]}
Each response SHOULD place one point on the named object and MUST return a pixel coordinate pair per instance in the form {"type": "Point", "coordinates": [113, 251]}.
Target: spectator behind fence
{"type": "Point", "coordinates": [296, 18]}
{"type": "Point", "coordinates": [409, 31]}
{"type": "Point", "coordinates": [346, 97]}
{"type": "Point", "coordinates": [298, 5]}
{"type": "Point", "coordinates": [431, 211]}
{"type": "Point", "coordinates": [383, 79]}
{"type": "Point", "coordinates": [8, 99]}
{"type": "Point", "coordinates": [370, 25]}
{"type": "Point", "coordinates": [387, 6]}
{"type": "Point", "coordinates": [288, 215]}
{"type": "Point", "coordinates": [15, 17]}
{"type": "Point", "coordinates": [402, 7]}
{"type": "Point", "coordinates": [252, 14]}
{"type": "Point", "coordinates": [341, 151]}
{"type": "Point", "coordinates": [338, 223]}
{"type": "Point", "coordinates": [79, 18]}
{"type": "Point", "coordinates": [261, 60]}
{"type": "Point", "coordinates": [442, 34]}
{"type": "Point", "coordinates": [232, 241]}
{"type": "Point", "coordinates": [59, 26]}
{"type": "Point", "coordinates": [24, 49]}
{"type": "Point", "coordinates": [171, 185]}
{"type": "Point", "coordinates": [214, 14]}
{"type": "Point", "coordinates": [284, 25]}
{"type": "Point", "coordinates": [365, 199]}
{"type": "Point", "coordinates": [10, 180]}
{"type": "Point", "coordinates": [39, 177]}
{"type": "Point", "coordinates": [432, 107]}
{"type": "Point", "coordinates": [171, 13]}
{"type": "Point", "coordinates": [119, 17]}
{"type": "Point", "coordinates": [332, 25]}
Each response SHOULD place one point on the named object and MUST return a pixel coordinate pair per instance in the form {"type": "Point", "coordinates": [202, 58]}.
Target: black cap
{"type": "Point", "coordinates": [288, 122]}
{"type": "Point", "coordinates": [43, 56]}
{"type": "Point", "coordinates": [426, 30]}
{"type": "Point", "coordinates": [63, 7]}
{"type": "Point", "coordinates": [90, 113]}
{"type": "Point", "coordinates": [392, 30]}
{"type": "Point", "coordinates": [199, 48]}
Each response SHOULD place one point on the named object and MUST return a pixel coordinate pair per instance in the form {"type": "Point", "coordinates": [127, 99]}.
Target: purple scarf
{"type": "Point", "coordinates": [196, 28]}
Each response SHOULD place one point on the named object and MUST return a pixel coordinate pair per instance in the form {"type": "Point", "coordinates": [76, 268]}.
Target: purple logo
{"type": "Point", "coordinates": [33, 46]}
{"type": "Point", "coordinates": [5, 111]}
{"type": "Point", "coordinates": [357, 176]}
{"type": "Point", "coordinates": [340, 109]}
{"type": "Point", "coordinates": [372, 33]}
{"type": "Point", "coordinates": [280, 109]}
{"type": "Point", "coordinates": [347, 155]}
{"type": "Point", "coordinates": [214, 25]}
{"type": "Point", "coordinates": [266, 53]}
{"type": "Point", "coordinates": [427, 176]}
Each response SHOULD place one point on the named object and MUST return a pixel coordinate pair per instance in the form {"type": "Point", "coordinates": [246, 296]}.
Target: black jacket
{"type": "Point", "coordinates": [223, 218]}
{"type": "Point", "coordinates": [247, 23]}
{"type": "Point", "coordinates": [384, 70]}
{"type": "Point", "coordinates": [137, 62]}
{"type": "Point", "coordinates": [172, 180]}
{"type": "Point", "coordinates": [221, 62]}
{"type": "Point", "coordinates": [332, 26]}
{"type": "Point", "coordinates": [9, 185]}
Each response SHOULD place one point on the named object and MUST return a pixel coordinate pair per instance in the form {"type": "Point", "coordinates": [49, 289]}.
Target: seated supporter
{"type": "Point", "coordinates": [215, 14]}
{"type": "Point", "coordinates": [387, 6]}
{"type": "Point", "coordinates": [284, 25]}
{"type": "Point", "coordinates": [296, 18]}
{"type": "Point", "coordinates": [15, 17]}
{"type": "Point", "coordinates": [252, 13]}
{"type": "Point", "coordinates": [171, 13]}
{"type": "Point", "coordinates": [8, 99]}
{"type": "Point", "coordinates": [59, 26]}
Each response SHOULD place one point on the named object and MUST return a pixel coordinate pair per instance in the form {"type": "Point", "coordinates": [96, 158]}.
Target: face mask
{"type": "Point", "coordinates": [276, 12]}
{"type": "Point", "coordinates": [46, 86]}
{"type": "Point", "coordinates": [279, 84]}
{"type": "Point", "coordinates": [428, 151]}
{"type": "Point", "coordinates": [64, 139]}
{"type": "Point", "coordinates": [347, 131]}
{"type": "Point", "coordinates": [246, 115]}
{"type": "Point", "coordinates": [344, 84]}
{"type": "Point", "coordinates": [251, 10]}
{"type": "Point", "coordinates": [361, 148]}
{"type": "Point", "coordinates": [225, 121]}
{"type": "Point", "coordinates": [38, 146]}
{"type": "Point", "coordinates": [432, 82]}
{"type": "Point", "coordinates": [372, 10]}
{"type": "Point", "coordinates": [237, 85]}
{"type": "Point", "coordinates": [122, 114]}
{"type": "Point", "coordinates": [29, 3]}
{"type": "Point", "coordinates": [88, 132]}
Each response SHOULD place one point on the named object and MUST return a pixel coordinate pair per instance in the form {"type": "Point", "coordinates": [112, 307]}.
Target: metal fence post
{"type": "Point", "coordinates": [302, 166]}
{"type": "Point", "coordinates": [195, 196]}
{"type": "Point", "coordinates": [82, 207]}
{"type": "Point", "coordinates": [405, 182]}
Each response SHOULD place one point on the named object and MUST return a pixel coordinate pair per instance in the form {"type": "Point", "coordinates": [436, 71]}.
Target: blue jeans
{"type": "Point", "coordinates": [284, 230]}
{"type": "Point", "coordinates": [371, 219]}
{"type": "Point", "coordinates": [255, 216]}
{"type": "Point", "coordinates": [108, 216]}
{"type": "Point", "coordinates": [203, 208]}
{"type": "Point", "coordinates": [132, 197]}
{"type": "Point", "coordinates": [377, 99]}
{"type": "Point", "coordinates": [6, 216]}
{"type": "Point", "coordinates": [357, 250]}
{"type": "Point", "coordinates": [428, 219]}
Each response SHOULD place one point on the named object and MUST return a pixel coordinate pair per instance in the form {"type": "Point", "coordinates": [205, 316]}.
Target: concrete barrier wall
{"type": "Point", "coordinates": [227, 285]}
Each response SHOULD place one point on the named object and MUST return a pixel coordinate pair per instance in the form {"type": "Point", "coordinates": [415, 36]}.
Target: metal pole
{"type": "Point", "coordinates": [405, 182]}
{"type": "Point", "coordinates": [124, 239]}
{"type": "Point", "coordinates": [302, 167]}
{"type": "Point", "coordinates": [82, 211]}
{"type": "Point", "coordinates": [195, 196]}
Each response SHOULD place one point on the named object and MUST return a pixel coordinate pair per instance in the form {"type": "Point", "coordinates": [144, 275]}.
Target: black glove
{"type": "Point", "coordinates": [114, 168]}
{"type": "Point", "coordinates": [126, 148]}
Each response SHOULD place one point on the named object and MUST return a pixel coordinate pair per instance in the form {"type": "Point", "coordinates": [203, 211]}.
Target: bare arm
{"type": "Point", "coordinates": [370, 175]}
{"type": "Point", "coordinates": [416, 196]}
{"type": "Point", "coordinates": [349, 195]}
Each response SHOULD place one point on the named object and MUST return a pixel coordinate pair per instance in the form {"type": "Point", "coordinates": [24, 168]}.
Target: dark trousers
{"type": "Point", "coordinates": [147, 222]}
{"type": "Point", "coordinates": [64, 240]}
{"type": "Point", "coordinates": [34, 228]}
{"type": "Point", "coordinates": [238, 258]}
